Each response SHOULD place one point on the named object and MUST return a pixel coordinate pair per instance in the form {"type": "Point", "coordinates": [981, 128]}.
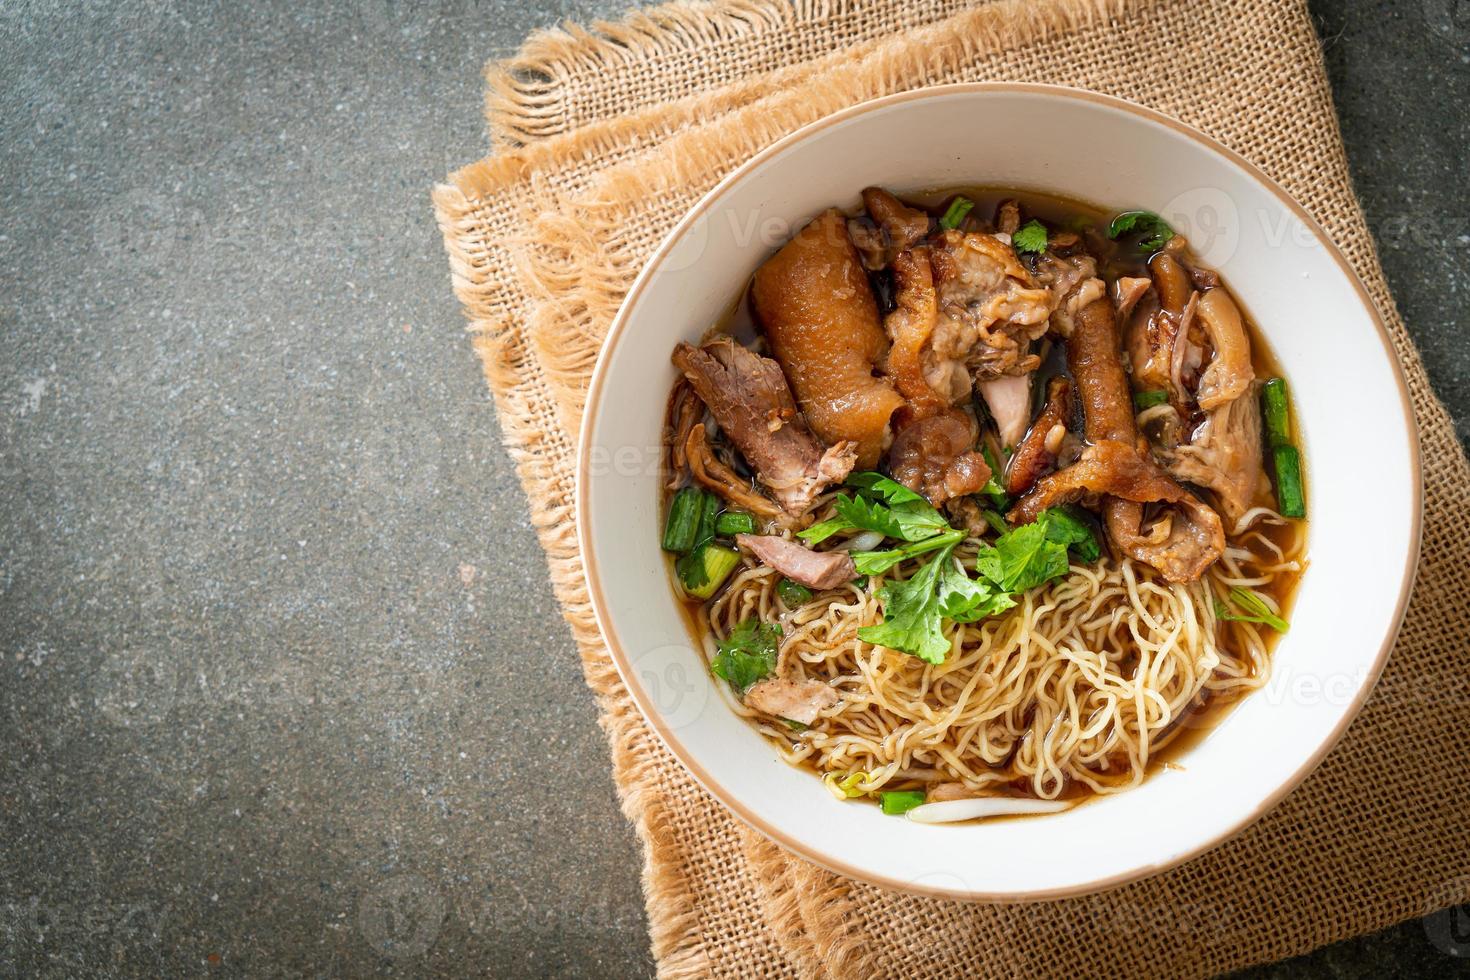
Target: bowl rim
{"type": "Point", "coordinates": [692, 765]}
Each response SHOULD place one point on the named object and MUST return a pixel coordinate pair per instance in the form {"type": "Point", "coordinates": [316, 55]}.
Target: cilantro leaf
{"type": "Point", "coordinates": [912, 615]}
{"type": "Point", "coordinates": [1064, 526]}
{"type": "Point", "coordinates": [748, 654]}
{"type": "Point", "coordinates": [967, 600]}
{"type": "Point", "coordinates": [881, 505]}
{"type": "Point", "coordinates": [1030, 237]}
{"type": "Point", "coordinates": [1155, 231]}
{"type": "Point", "coordinates": [1023, 558]}
{"type": "Point", "coordinates": [873, 562]}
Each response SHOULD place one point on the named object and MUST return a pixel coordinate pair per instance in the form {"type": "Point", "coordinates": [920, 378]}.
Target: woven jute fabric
{"type": "Point", "coordinates": [608, 135]}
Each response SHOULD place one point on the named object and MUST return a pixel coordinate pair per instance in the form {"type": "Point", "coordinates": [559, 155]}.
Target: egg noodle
{"type": "Point", "coordinates": [1075, 689]}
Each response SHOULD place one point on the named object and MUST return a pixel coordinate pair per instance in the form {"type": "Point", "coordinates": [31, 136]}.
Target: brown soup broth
{"type": "Point", "coordinates": [1091, 222]}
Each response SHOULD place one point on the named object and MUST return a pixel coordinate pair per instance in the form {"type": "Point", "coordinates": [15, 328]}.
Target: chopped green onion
{"type": "Point", "coordinates": [860, 582]}
{"type": "Point", "coordinates": [793, 593]}
{"type": "Point", "coordinates": [705, 569]}
{"type": "Point", "coordinates": [956, 212]}
{"type": "Point", "coordinates": [1290, 500]}
{"type": "Point", "coordinates": [709, 510]}
{"type": "Point", "coordinates": [997, 523]}
{"type": "Point", "coordinates": [733, 522]}
{"type": "Point", "coordinates": [1148, 399]}
{"type": "Point", "coordinates": [795, 726]}
{"type": "Point", "coordinates": [992, 488]}
{"type": "Point", "coordinates": [1275, 407]}
{"type": "Point", "coordinates": [1255, 606]}
{"type": "Point", "coordinates": [683, 521]}
{"type": "Point", "coordinates": [898, 802]}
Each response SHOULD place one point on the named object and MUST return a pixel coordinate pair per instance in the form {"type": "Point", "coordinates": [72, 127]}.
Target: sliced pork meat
{"type": "Point", "coordinates": [748, 396]}
{"type": "Point", "coordinates": [1114, 465]}
{"type": "Point", "coordinates": [1157, 322]}
{"type": "Point", "coordinates": [816, 569]}
{"type": "Point", "coordinates": [892, 227]}
{"type": "Point", "coordinates": [990, 312]}
{"type": "Point", "coordinates": [1127, 291]}
{"type": "Point", "coordinates": [936, 457]}
{"type": "Point", "coordinates": [1008, 398]}
{"type": "Point", "coordinates": [709, 471]}
{"type": "Point", "coordinates": [1036, 454]}
{"type": "Point", "coordinates": [1181, 542]}
{"type": "Point", "coordinates": [1072, 282]}
{"type": "Point", "coordinates": [1008, 216]}
{"type": "Point", "coordinates": [1224, 456]}
{"type": "Point", "coordinates": [799, 701]}
{"type": "Point", "coordinates": [909, 327]}
{"type": "Point", "coordinates": [1229, 373]}
{"type": "Point", "coordinates": [820, 319]}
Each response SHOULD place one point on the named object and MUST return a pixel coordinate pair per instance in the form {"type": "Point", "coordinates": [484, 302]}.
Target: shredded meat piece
{"type": "Point", "coordinates": [748, 396]}
{"type": "Point", "coordinates": [1127, 291]}
{"type": "Point", "coordinates": [798, 701]}
{"type": "Point", "coordinates": [1224, 456]}
{"type": "Point", "coordinates": [710, 472]}
{"type": "Point", "coordinates": [990, 310]}
{"type": "Point", "coordinates": [1009, 400]}
{"type": "Point", "coordinates": [1114, 464]}
{"type": "Point", "coordinates": [1036, 454]}
{"type": "Point", "coordinates": [1072, 282]}
{"type": "Point", "coordinates": [936, 457]}
{"type": "Point", "coordinates": [685, 410]}
{"type": "Point", "coordinates": [818, 314]}
{"type": "Point", "coordinates": [1181, 544]}
{"type": "Point", "coordinates": [1008, 216]}
{"type": "Point", "coordinates": [944, 792]}
{"type": "Point", "coordinates": [818, 569]}
{"type": "Point", "coordinates": [909, 327]}
{"type": "Point", "coordinates": [1229, 373]}
{"type": "Point", "coordinates": [892, 227]}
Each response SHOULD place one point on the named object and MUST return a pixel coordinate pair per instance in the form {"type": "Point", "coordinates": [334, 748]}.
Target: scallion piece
{"type": "Point", "coordinates": [860, 582]}
{"type": "Point", "coordinates": [705, 569]}
{"type": "Point", "coordinates": [1290, 500]}
{"type": "Point", "coordinates": [793, 593]}
{"type": "Point", "coordinates": [997, 523]}
{"type": "Point", "coordinates": [898, 802]}
{"type": "Point", "coordinates": [1258, 611]}
{"type": "Point", "coordinates": [733, 522]}
{"type": "Point", "coordinates": [683, 521]}
{"type": "Point", "coordinates": [1275, 407]}
{"type": "Point", "coordinates": [956, 212]}
{"type": "Point", "coordinates": [1148, 399]}
{"type": "Point", "coordinates": [709, 511]}
{"type": "Point", "coordinates": [992, 488]}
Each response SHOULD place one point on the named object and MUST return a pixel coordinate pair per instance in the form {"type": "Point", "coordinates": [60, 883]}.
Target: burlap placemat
{"type": "Point", "coordinates": [544, 239]}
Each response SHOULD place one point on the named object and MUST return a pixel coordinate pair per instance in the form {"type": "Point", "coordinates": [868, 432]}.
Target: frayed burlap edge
{"type": "Point", "coordinates": [820, 898]}
{"type": "Point", "coordinates": [528, 96]}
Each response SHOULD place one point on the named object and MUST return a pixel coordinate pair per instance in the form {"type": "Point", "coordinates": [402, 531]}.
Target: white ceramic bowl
{"type": "Point", "coordinates": [1361, 449]}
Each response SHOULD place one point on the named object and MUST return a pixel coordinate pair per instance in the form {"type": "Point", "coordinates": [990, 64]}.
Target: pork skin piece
{"type": "Point", "coordinates": [819, 317]}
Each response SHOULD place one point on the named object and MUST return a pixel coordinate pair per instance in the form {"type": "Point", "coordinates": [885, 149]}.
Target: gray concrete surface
{"type": "Point", "coordinates": [283, 690]}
